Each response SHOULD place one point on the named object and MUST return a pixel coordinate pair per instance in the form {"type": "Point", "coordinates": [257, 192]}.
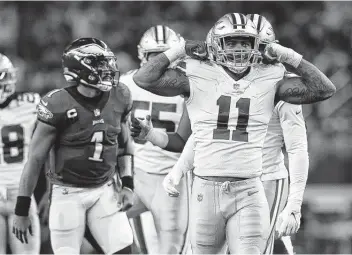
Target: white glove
{"type": "Point", "coordinates": [285, 55]}
{"type": "Point", "coordinates": [289, 220]}
{"type": "Point", "coordinates": [171, 180]}
{"type": "Point", "coordinates": [143, 129]}
{"type": "Point", "coordinates": [140, 128]}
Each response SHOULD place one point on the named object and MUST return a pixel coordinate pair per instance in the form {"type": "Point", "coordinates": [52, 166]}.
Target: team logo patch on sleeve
{"type": "Point", "coordinates": [43, 111]}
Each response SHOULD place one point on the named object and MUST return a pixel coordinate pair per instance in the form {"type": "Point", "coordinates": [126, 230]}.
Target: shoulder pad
{"type": "Point", "coordinates": [54, 99]}
{"type": "Point", "coordinates": [276, 70]}
{"type": "Point", "coordinates": [197, 68]}
{"type": "Point", "coordinates": [54, 93]}
{"type": "Point", "coordinates": [51, 107]}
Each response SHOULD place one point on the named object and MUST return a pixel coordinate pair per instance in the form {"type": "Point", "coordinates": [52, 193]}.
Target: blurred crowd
{"type": "Point", "coordinates": [34, 35]}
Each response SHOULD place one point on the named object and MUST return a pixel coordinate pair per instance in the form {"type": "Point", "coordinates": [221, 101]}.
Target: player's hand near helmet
{"type": "Point", "coordinates": [196, 49]}
{"type": "Point", "coordinates": [191, 48]}
{"type": "Point", "coordinates": [275, 51]}
{"type": "Point", "coordinates": [289, 220]}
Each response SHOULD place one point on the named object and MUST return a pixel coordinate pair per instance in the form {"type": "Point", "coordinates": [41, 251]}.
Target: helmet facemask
{"type": "Point", "coordinates": [105, 71]}
{"type": "Point", "coordinates": [237, 60]}
{"type": "Point", "coordinates": [100, 72]}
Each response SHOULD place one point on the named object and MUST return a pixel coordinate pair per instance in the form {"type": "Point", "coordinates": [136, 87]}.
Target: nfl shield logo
{"type": "Point", "coordinates": [200, 197]}
{"type": "Point", "coordinates": [236, 86]}
{"type": "Point", "coordinates": [96, 112]}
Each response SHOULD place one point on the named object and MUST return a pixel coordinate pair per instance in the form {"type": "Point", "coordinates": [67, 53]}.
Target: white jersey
{"type": "Point", "coordinates": [229, 118]}
{"type": "Point", "coordinates": [286, 126]}
{"type": "Point", "coordinates": [165, 113]}
{"type": "Point", "coordinates": [17, 122]}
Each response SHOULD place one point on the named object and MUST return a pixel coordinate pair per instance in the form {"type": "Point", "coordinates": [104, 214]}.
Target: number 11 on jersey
{"type": "Point", "coordinates": [222, 132]}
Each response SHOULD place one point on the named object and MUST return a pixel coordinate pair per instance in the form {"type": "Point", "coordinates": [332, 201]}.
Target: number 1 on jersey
{"type": "Point", "coordinates": [222, 132]}
{"type": "Point", "coordinates": [97, 138]}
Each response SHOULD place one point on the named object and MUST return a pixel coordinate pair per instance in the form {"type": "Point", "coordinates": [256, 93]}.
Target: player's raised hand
{"type": "Point", "coordinates": [196, 49]}
{"type": "Point", "coordinates": [22, 224]}
{"type": "Point", "coordinates": [288, 222]}
{"type": "Point", "coordinates": [141, 127]}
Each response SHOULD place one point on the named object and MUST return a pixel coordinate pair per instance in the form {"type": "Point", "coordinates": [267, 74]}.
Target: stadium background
{"type": "Point", "coordinates": [34, 35]}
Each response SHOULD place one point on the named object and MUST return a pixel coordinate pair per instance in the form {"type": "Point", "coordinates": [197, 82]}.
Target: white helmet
{"type": "Point", "coordinates": [265, 30]}
{"type": "Point", "coordinates": [156, 39]}
{"type": "Point", "coordinates": [8, 78]}
{"type": "Point", "coordinates": [209, 47]}
{"type": "Point", "coordinates": [234, 25]}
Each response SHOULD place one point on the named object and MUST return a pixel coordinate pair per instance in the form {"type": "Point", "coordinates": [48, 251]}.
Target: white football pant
{"type": "Point", "coordinates": [236, 212]}
{"type": "Point", "coordinates": [170, 214]}
{"type": "Point", "coordinates": [72, 208]}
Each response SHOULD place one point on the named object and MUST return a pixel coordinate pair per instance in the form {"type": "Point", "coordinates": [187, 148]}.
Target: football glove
{"type": "Point", "coordinates": [196, 49]}
{"type": "Point", "coordinates": [141, 127]}
{"type": "Point", "coordinates": [171, 180]}
{"type": "Point", "coordinates": [289, 221]}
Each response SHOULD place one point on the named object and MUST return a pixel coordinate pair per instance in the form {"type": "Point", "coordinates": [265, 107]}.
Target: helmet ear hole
{"type": "Point", "coordinates": [264, 27]}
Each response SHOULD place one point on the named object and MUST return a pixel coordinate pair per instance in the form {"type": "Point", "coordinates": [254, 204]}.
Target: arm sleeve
{"type": "Point", "coordinates": [295, 137]}
{"type": "Point", "coordinates": [186, 160]}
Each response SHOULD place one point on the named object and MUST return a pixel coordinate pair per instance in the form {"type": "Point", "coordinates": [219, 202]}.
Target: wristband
{"type": "Point", "coordinates": [125, 165]}
{"type": "Point", "coordinates": [22, 205]}
{"type": "Point", "coordinates": [127, 181]}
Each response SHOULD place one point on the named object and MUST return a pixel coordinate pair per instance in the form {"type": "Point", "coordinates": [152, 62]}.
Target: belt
{"type": "Point", "coordinates": [221, 178]}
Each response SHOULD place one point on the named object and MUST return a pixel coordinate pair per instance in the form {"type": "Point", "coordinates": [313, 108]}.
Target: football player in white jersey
{"type": "Point", "coordinates": [286, 126]}
{"type": "Point", "coordinates": [18, 118]}
{"type": "Point", "coordinates": [153, 163]}
{"type": "Point", "coordinates": [230, 102]}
